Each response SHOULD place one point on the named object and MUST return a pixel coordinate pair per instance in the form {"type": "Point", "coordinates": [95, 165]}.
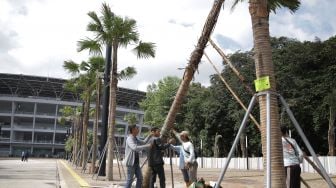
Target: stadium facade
{"type": "Point", "coordinates": [30, 107]}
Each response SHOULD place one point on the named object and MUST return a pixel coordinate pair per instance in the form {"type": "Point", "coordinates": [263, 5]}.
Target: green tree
{"type": "Point", "coordinates": [158, 99]}
{"type": "Point", "coordinates": [114, 32]}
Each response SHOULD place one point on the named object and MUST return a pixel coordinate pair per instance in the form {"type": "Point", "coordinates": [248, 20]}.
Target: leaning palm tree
{"type": "Point", "coordinates": [85, 74]}
{"type": "Point", "coordinates": [260, 11]}
{"type": "Point", "coordinates": [191, 68]}
{"type": "Point", "coordinates": [113, 32]}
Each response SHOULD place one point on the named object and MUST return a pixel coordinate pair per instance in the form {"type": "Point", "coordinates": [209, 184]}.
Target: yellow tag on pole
{"type": "Point", "coordinates": [262, 83]}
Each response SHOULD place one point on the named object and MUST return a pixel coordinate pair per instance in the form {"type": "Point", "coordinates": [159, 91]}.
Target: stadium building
{"type": "Point", "coordinates": [29, 111]}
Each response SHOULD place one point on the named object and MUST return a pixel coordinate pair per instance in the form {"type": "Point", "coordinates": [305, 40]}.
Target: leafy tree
{"type": "Point", "coordinates": [158, 99]}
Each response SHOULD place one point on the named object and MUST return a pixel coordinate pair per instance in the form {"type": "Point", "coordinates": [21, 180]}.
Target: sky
{"type": "Point", "coordinates": [37, 36]}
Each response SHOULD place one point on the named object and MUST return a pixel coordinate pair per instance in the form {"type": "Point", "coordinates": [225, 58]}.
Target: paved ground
{"type": "Point", "coordinates": [32, 174]}
{"type": "Point", "coordinates": [43, 173]}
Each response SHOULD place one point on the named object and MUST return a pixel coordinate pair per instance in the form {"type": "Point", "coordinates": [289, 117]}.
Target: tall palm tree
{"type": "Point", "coordinates": [85, 74]}
{"type": "Point", "coordinates": [259, 11]}
{"type": "Point", "coordinates": [114, 32]}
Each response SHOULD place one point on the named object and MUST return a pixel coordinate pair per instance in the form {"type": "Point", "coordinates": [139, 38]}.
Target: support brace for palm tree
{"type": "Point", "coordinates": [88, 158]}
{"type": "Point", "coordinates": [268, 140]}
{"type": "Point", "coordinates": [103, 156]}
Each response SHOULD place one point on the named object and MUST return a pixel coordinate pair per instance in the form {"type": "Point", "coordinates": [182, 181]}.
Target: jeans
{"type": "Point", "coordinates": [157, 170]}
{"type": "Point", "coordinates": [190, 173]}
{"type": "Point", "coordinates": [131, 170]}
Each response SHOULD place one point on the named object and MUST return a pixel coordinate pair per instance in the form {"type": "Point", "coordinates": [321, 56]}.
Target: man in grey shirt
{"type": "Point", "coordinates": [132, 159]}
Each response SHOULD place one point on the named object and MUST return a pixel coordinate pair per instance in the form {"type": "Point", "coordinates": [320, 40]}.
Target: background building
{"type": "Point", "coordinates": [30, 107]}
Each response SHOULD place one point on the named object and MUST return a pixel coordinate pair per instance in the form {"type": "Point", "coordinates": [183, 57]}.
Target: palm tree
{"type": "Point", "coordinates": [259, 12]}
{"type": "Point", "coordinates": [85, 74]}
{"type": "Point", "coordinates": [114, 32]}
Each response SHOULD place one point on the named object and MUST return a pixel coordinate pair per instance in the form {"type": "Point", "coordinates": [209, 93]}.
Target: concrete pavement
{"type": "Point", "coordinates": [45, 173]}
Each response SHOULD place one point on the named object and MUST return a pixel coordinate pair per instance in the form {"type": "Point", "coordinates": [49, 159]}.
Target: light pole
{"type": "Point", "coordinates": [105, 111]}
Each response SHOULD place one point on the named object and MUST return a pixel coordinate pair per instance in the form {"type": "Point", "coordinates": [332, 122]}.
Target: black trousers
{"type": "Point", "coordinates": [157, 170]}
{"type": "Point", "coordinates": [293, 176]}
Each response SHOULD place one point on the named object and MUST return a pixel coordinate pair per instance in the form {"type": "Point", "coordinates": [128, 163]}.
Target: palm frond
{"type": "Point", "coordinates": [97, 63]}
{"type": "Point", "coordinates": [93, 46]}
{"type": "Point", "coordinates": [108, 21]}
{"type": "Point", "coordinates": [292, 5]}
{"type": "Point", "coordinates": [96, 25]}
{"type": "Point", "coordinates": [235, 2]}
{"type": "Point", "coordinates": [71, 67]}
{"type": "Point", "coordinates": [128, 32]}
{"type": "Point", "coordinates": [127, 73]}
{"type": "Point", "coordinates": [84, 66]}
{"type": "Point", "coordinates": [145, 50]}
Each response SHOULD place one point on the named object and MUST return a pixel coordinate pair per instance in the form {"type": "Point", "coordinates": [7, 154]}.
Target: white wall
{"type": "Point", "coordinates": [256, 163]}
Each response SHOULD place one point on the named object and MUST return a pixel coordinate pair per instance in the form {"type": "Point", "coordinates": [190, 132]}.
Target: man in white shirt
{"type": "Point", "coordinates": [292, 155]}
{"type": "Point", "coordinates": [188, 151]}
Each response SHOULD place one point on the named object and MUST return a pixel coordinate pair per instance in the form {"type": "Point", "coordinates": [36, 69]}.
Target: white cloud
{"type": "Point", "coordinates": [38, 35]}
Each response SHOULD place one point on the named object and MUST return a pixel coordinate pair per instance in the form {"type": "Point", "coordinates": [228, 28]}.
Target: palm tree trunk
{"type": "Point", "coordinates": [242, 144]}
{"type": "Point", "coordinates": [264, 67]}
{"type": "Point", "coordinates": [112, 114]}
{"type": "Point", "coordinates": [80, 135]}
{"type": "Point", "coordinates": [331, 133]}
{"type": "Point", "coordinates": [75, 146]}
{"type": "Point", "coordinates": [85, 128]}
{"type": "Point", "coordinates": [194, 61]}
{"type": "Point", "coordinates": [95, 128]}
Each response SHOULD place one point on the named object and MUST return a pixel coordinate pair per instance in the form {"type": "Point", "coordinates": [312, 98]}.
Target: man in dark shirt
{"type": "Point", "coordinates": [155, 160]}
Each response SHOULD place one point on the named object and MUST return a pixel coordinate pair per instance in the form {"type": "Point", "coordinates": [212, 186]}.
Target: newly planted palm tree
{"type": "Point", "coordinates": [113, 32]}
{"type": "Point", "coordinates": [85, 77]}
{"type": "Point", "coordinates": [260, 11]}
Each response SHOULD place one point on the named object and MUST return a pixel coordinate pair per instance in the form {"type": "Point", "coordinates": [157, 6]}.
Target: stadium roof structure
{"type": "Point", "coordinates": [44, 87]}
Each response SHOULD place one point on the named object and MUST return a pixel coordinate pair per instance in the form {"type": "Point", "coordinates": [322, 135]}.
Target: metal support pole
{"type": "Point", "coordinates": [247, 159]}
{"type": "Point", "coordinates": [305, 140]}
{"type": "Point", "coordinates": [242, 126]}
{"type": "Point", "coordinates": [268, 139]}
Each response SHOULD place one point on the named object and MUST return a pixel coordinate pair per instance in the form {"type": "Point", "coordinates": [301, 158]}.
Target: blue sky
{"type": "Point", "coordinates": [37, 36]}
